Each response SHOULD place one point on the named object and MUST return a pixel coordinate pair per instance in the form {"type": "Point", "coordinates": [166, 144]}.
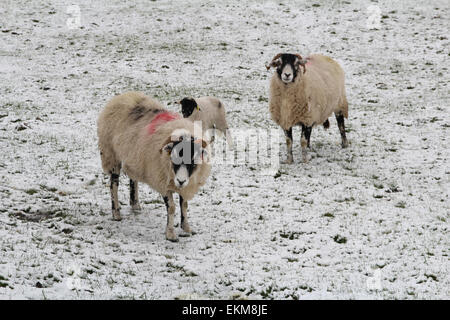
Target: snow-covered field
{"type": "Point", "coordinates": [370, 221]}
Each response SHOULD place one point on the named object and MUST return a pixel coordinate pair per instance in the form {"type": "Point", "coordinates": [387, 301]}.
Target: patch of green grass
{"type": "Point", "coordinates": [340, 239]}
{"type": "Point", "coordinates": [432, 276]}
{"type": "Point", "coordinates": [31, 191]}
{"type": "Point", "coordinates": [154, 201]}
{"type": "Point", "coordinates": [51, 189]}
{"type": "Point", "coordinates": [181, 269]}
{"type": "Point", "coordinates": [262, 99]}
{"type": "Point", "coordinates": [267, 292]}
{"type": "Point", "coordinates": [305, 287]}
{"type": "Point", "coordinates": [400, 204]}
{"type": "Point", "coordinates": [393, 187]}
{"type": "Point", "coordinates": [345, 200]}
{"type": "Point", "coordinates": [278, 174]}
{"type": "Point", "coordinates": [378, 185]}
{"type": "Point", "coordinates": [289, 235]}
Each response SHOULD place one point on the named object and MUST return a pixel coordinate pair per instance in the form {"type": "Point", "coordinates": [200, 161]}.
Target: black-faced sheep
{"type": "Point", "coordinates": [210, 111]}
{"type": "Point", "coordinates": [154, 146]}
{"type": "Point", "coordinates": [306, 92]}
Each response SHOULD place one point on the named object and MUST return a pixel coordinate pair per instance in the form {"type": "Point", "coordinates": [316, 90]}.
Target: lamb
{"type": "Point", "coordinates": [154, 146]}
{"type": "Point", "coordinates": [210, 111]}
{"type": "Point", "coordinates": [305, 92]}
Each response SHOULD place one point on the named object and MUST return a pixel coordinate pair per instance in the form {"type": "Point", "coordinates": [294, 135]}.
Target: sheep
{"type": "Point", "coordinates": [305, 92]}
{"type": "Point", "coordinates": [210, 111]}
{"type": "Point", "coordinates": [153, 146]}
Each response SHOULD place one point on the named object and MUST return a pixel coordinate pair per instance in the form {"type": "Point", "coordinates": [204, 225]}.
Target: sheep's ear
{"type": "Point", "coordinates": [301, 62]}
{"type": "Point", "coordinates": [204, 154]}
{"type": "Point", "coordinates": [201, 156]}
{"type": "Point", "coordinates": [202, 142]}
{"type": "Point", "coordinates": [167, 148]}
{"type": "Point", "coordinates": [276, 61]}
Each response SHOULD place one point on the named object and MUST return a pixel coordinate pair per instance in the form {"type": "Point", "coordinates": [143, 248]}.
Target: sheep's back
{"type": "Point", "coordinates": [123, 114]}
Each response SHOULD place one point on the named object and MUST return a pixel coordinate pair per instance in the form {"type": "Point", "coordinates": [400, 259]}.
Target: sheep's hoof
{"type": "Point", "coordinates": [116, 215]}
{"type": "Point", "coordinates": [344, 144]}
{"type": "Point", "coordinates": [185, 234]}
{"type": "Point", "coordinates": [171, 236]}
{"type": "Point", "coordinates": [187, 231]}
{"type": "Point", "coordinates": [289, 160]}
{"type": "Point", "coordinates": [136, 207]}
{"type": "Point", "coordinates": [305, 158]}
{"type": "Point", "coordinates": [172, 239]}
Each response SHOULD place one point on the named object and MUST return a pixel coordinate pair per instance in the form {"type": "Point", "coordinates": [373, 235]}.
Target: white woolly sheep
{"type": "Point", "coordinates": [210, 111]}
{"type": "Point", "coordinates": [307, 97]}
{"type": "Point", "coordinates": [154, 146]}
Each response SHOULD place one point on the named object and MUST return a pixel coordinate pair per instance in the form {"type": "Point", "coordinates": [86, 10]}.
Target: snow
{"type": "Point", "coordinates": [367, 222]}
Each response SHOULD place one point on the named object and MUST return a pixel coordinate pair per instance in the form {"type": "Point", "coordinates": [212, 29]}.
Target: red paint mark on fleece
{"type": "Point", "coordinates": [308, 61]}
{"type": "Point", "coordinates": [160, 119]}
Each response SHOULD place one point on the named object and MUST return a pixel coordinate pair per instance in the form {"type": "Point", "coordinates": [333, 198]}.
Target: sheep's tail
{"type": "Point", "coordinates": [326, 124]}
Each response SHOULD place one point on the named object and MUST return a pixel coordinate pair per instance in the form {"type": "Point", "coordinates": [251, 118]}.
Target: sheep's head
{"type": "Point", "coordinates": [288, 66]}
{"type": "Point", "coordinates": [186, 154]}
{"type": "Point", "coordinates": [188, 105]}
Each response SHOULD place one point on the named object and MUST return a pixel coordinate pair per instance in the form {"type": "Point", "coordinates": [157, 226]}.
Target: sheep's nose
{"type": "Point", "coordinates": [287, 75]}
{"type": "Point", "coordinates": [181, 182]}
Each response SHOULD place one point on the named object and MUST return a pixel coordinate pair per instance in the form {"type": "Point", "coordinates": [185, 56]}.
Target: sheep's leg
{"type": "Point", "coordinates": [226, 133]}
{"type": "Point", "coordinates": [170, 205]}
{"type": "Point", "coordinates": [306, 133]}
{"type": "Point", "coordinates": [304, 141]}
{"type": "Point", "coordinates": [222, 125]}
{"type": "Point", "coordinates": [114, 187]}
{"type": "Point", "coordinates": [184, 221]}
{"type": "Point", "coordinates": [134, 195]}
{"type": "Point", "coordinates": [213, 135]}
{"type": "Point", "coordinates": [341, 126]}
{"type": "Point", "coordinates": [229, 138]}
{"type": "Point", "coordinates": [288, 134]}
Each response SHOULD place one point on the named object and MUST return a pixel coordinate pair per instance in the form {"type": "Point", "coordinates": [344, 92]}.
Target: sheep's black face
{"type": "Point", "coordinates": [287, 67]}
{"type": "Point", "coordinates": [188, 105]}
{"type": "Point", "coordinates": [185, 154]}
